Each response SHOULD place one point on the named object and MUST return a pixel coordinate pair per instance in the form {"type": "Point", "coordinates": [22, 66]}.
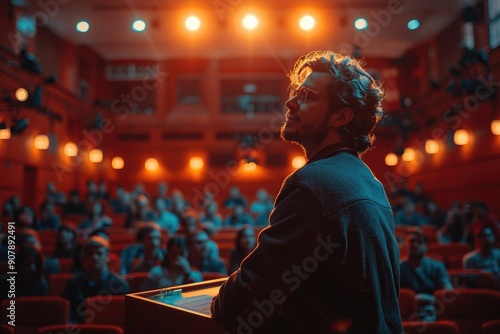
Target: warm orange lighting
{"type": "Point", "coordinates": [41, 142]}
{"type": "Point", "coordinates": [196, 163]}
{"type": "Point", "coordinates": [249, 166]}
{"type": "Point", "coordinates": [431, 146]}
{"type": "Point", "coordinates": [95, 155]}
{"type": "Point", "coordinates": [250, 22]}
{"type": "Point", "coordinates": [495, 127]}
{"type": "Point", "coordinates": [70, 149]}
{"type": "Point", "coordinates": [117, 163]}
{"type": "Point", "coordinates": [21, 94]}
{"type": "Point", "coordinates": [5, 133]}
{"type": "Point", "coordinates": [151, 164]}
{"type": "Point", "coordinates": [307, 22]}
{"type": "Point", "coordinates": [298, 161]}
{"type": "Point", "coordinates": [408, 154]}
{"type": "Point", "coordinates": [461, 137]}
{"type": "Point", "coordinates": [192, 23]}
{"type": "Point", "coordinates": [391, 159]}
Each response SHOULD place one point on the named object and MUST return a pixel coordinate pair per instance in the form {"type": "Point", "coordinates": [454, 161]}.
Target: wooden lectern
{"type": "Point", "coordinates": [181, 309]}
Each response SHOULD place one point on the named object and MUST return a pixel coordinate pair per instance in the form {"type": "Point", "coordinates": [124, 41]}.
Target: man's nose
{"type": "Point", "coordinates": [291, 103]}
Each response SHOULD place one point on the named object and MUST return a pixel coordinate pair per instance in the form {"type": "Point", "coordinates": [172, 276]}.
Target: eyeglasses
{"type": "Point", "coordinates": [302, 94]}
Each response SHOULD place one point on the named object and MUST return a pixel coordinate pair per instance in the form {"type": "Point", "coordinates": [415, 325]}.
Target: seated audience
{"type": "Point", "coordinates": [49, 220]}
{"type": "Point", "coordinates": [74, 206]}
{"type": "Point", "coordinates": [53, 196]}
{"type": "Point", "coordinates": [235, 198]}
{"type": "Point", "coordinates": [29, 280]}
{"type": "Point", "coordinates": [483, 218]}
{"type": "Point", "coordinates": [102, 193]}
{"type": "Point", "coordinates": [147, 233]}
{"type": "Point", "coordinates": [245, 242]}
{"type": "Point", "coordinates": [119, 203]}
{"type": "Point", "coordinates": [201, 254]}
{"type": "Point", "coordinates": [96, 220]}
{"type": "Point", "coordinates": [96, 280]}
{"type": "Point", "coordinates": [409, 216]}
{"type": "Point", "coordinates": [210, 214]}
{"type": "Point", "coordinates": [239, 217]}
{"type": "Point", "coordinates": [167, 221]}
{"type": "Point", "coordinates": [433, 215]}
{"type": "Point", "coordinates": [485, 257]}
{"type": "Point", "coordinates": [175, 268]}
{"type": "Point", "coordinates": [151, 254]}
{"type": "Point", "coordinates": [454, 228]}
{"type": "Point", "coordinates": [66, 242]}
{"type": "Point", "coordinates": [261, 208]}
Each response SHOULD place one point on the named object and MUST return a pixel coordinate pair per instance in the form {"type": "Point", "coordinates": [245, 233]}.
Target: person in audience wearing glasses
{"type": "Point", "coordinates": [204, 253]}
{"type": "Point", "coordinates": [328, 261]}
{"type": "Point", "coordinates": [485, 257]}
{"type": "Point", "coordinates": [422, 274]}
{"type": "Point", "coordinates": [97, 280]}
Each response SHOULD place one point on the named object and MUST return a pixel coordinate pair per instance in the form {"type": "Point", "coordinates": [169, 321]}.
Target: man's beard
{"type": "Point", "coordinates": [306, 137]}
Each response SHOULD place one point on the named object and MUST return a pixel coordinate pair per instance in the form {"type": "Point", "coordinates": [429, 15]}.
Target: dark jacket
{"type": "Point", "coordinates": [328, 258]}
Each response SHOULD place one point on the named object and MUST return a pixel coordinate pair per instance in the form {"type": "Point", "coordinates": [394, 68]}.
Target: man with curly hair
{"type": "Point", "coordinates": [328, 262]}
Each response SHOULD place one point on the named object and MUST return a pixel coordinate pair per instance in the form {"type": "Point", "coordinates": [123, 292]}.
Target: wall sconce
{"type": "Point", "coordinates": [41, 142]}
{"type": "Point", "coordinates": [95, 155]}
{"type": "Point", "coordinates": [249, 166]}
{"type": "Point", "coordinates": [4, 131]}
{"type": "Point", "coordinates": [298, 161]}
{"type": "Point", "coordinates": [431, 146]}
{"type": "Point", "coordinates": [461, 137]}
{"type": "Point", "coordinates": [495, 127]}
{"type": "Point", "coordinates": [391, 159]}
{"type": "Point", "coordinates": [151, 164]}
{"type": "Point", "coordinates": [196, 163]}
{"type": "Point", "coordinates": [70, 149]}
{"type": "Point", "coordinates": [21, 94]}
{"type": "Point", "coordinates": [408, 154]}
{"type": "Point", "coordinates": [117, 163]}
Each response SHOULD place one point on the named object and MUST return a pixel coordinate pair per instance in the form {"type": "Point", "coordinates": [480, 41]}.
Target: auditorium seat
{"type": "Point", "coordinates": [491, 327]}
{"type": "Point", "coordinates": [6, 329]}
{"type": "Point", "coordinates": [407, 304]}
{"type": "Point", "coordinates": [471, 278]}
{"type": "Point", "coordinates": [65, 265]}
{"type": "Point", "coordinates": [449, 250]}
{"type": "Point", "coordinates": [209, 276]}
{"type": "Point", "coordinates": [136, 280]}
{"type": "Point", "coordinates": [80, 329]}
{"type": "Point", "coordinates": [469, 308]}
{"type": "Point", "coordinates": [438, 327]}
{"type": "Point", "coordinates": [35, 312]}
{"type": "Point", "coordinates": [105, 309]}
{"type": "Point", "coordinates": [57, 283]}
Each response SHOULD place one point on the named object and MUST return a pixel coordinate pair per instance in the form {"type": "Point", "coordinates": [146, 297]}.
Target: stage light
{"type": "Point", "coordinates": [95, 155]}
{"type": "Point", "coordinates": [70, 149]}
{"type": "Point", "coordinates": [4, 131]}
{"type": "Point", "coordinates": [249, 166]}
{"type": "Point", "coordinates": [139, 25]}
{"type": "Point", "coordinates": [307, 22]}
{"type": "Point", "coordinates": [21, 94]}
{"type": "Point", "coordinates": [117, 163]}
{"type": "Point", "coordinates": [196, 163]}
{"type": "Point", "coordinates": [495, 127]}
{"type": "Point", "coordinates": [361, 24]}
{"type": "Point", "coordinates": [461, 137]}
{"type": "Point", "coordinates": [151, 164]}
{"type": "Point", "coordinates": [391, 159]}
{"type": "Point", "coordinates": [431, 146]}
{"type": "Point", "coordinates": [82, 26]}
{"type": "Point", "coordinates": [413, 24]}
{"type": "Point", "coordinates": [298, 161]}
{"type": "Point", "coordinates": [41, 142]}
{"type": "Point", "coordinates": [250, 22]}
{"type": "Point", "coordinates": [408, 154]}
{"type": "Point", "coordinates": [192, 23]}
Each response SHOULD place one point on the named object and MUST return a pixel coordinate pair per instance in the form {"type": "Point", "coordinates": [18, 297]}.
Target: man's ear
{"type": "Point", "coordinates": [341, 117]}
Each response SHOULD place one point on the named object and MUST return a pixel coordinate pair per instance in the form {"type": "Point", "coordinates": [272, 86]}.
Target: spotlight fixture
{"type": "Point", "coordinates": [4, 130]}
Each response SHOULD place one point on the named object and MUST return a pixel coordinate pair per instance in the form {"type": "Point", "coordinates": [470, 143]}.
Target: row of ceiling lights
{"type": "Point", "coordinates": [461, 137]}
{"type": "Point", "coordinates": [249, 22]}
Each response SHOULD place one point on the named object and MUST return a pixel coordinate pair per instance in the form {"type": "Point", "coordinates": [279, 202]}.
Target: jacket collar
{"type": "Point", "coordinates": [332, 150]}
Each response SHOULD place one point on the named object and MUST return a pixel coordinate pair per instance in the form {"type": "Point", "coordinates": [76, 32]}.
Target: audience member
{"type": "Point", "coordinates": [163, 194]}
{"type": "Point", "coordinates": [29, 279]}
{"type": "Point", "coordinates": [53, 196]}
{"type": "Point", "coordinates": [433, 215]}
{"type": "Point", "coordinates": [235, 198]}
{"type": "Point", "coordinates": [151, 253]}
{"type": "Point", "coordinates": [74, 206]}
{"type": "Point", "coordinates": [118, 204]}
{"type": "Point", "coordinates": [485, 257]}
{"type": "Point", "coordinates": [167, 221]}
{"type": "Point", "coordinates": [201, 253]}
{"type": "Point", "coordinates": [210, 214]}
{"type": "Point", "coordinates": [175, 268]}
{"type": "Point", "coordinates": [66, 242]}
{"type": "Point", "coordinates": [102, 193]}
{"type": "Point", "coordinates": [91, 195]}
{"type": "Point", "coordinates": [238, 217]}
{"type": "Point", "coordinates": [49, 220]}
{"type": "Point", "coordinates": [96, 220]}
{"type": "Point", "coordinates": [97, 280]}
{"type": "Point", "coordinates": [137, 251]}
{"type": "Point", "coordinates": [483, 218]}
{"type": "Point", "coordinates": [261, 208]}
{"type": "Point", "coordinates": [409, 216]}
{"type": "Point", "coordinates": [454, 228]}
{"type": "Point", "coordinates": [244, 243]}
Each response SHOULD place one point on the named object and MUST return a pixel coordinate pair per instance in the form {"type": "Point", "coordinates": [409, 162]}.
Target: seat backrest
{"type": "Point", "coordinates": [469, 308]}
{"type": "Point", "coordinates": [6, 329]}
{"type": "Point", "coordinates": [438, 327]}
{"type": "Point", "coordinates": [81, 329]}
{"type": "Point", "coordinates": [65, 265]}
{"type": "Point", "coordinates": [57, 283]}
{"type": "Point", "coordinates": [136, 280]}
{"type": "Point", "coordinates": [38, 311]}
{"type": "Point", "coordinates": [105, 309]}
{"type": "Point", "coordinates": [471, 278]}
{"type": "Point", "coordinates": [491, 327]}
{"type": "Point", "coordinates": [407, 304]}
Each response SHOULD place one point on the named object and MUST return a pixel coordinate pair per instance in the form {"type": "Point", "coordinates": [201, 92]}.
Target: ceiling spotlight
{"type": "Point", "coordinates": [361, 24]}
{"type": "Point", "coordinates": [250, 22]}
{"type": "Point", "coordinates": [307, 22]}
{"type": "Point", "coordinates": [413, 24]}
{"type": "Point", "coordinates": [139, 25]}
{"type": "Point", "coordinates": [4, 131]}
{"type": "Point", "coordinates": [82, 26]}
{"type": "Point", "coordinates": [192, 23]}
{"type": "Point", "coordinates": [21, 94]}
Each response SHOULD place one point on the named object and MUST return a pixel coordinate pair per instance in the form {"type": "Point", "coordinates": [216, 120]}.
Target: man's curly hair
{"type": "Point", "coordinates": [351, 87]}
